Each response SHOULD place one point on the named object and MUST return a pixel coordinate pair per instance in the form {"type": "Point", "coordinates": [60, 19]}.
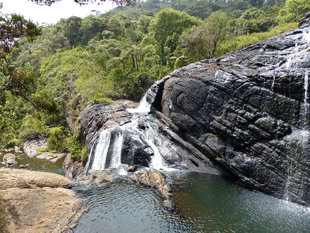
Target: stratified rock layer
{"type": "Point", "coordinates": [248, 112]}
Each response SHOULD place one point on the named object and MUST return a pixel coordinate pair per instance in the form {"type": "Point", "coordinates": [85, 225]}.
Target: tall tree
{"type": "Point", "coordinates": [166, 28]}
{"type": "Point", "coordinates": [201, 42]}
{"type": "Point", "coordinates": [293, 10]}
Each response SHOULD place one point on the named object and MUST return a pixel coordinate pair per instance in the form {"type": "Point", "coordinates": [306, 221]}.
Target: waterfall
{"type": "Point", "coordinates": [298, 140]}
{"type": "Point", "coordinates": [144, 107]}
{"type": "Point", "coordinates": [107, 147]}
{"type": "Point", "coordinates": [273, 81]}
{"type": "Point", "coordinates": [306, 104]}
{"type": "Point", "coordinates": [295, 184]}
{"type": "Point", "coordinates": [106, 151]}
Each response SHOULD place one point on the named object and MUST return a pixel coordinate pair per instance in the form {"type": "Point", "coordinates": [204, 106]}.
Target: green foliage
{"type": "Point", "coordinates": [257, 20]}
{"type": "Point", "coordinates": [31, 128]}
{"type": "Point", "coordinates": [78, 62]}
{"type": "Point", "coordinates": [202, 42]}
{"type": "Point", "coordinates": [55, 140]}
{"type": "Point", "coordinates": [293, 10]}
{"type": "Point", "coordinates": [245, 40]}
{"type": "Point", "coordinates": [181, 61]}
{"type": "Point", "coordinates": [166, 28]}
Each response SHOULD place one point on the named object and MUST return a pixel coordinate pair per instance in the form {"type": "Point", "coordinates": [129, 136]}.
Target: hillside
{"type": "Point", "coordinates": [46, 83]}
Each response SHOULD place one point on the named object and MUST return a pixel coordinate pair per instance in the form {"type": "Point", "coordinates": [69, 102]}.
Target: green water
{"type": "Point", "coordinates": [34, 163]}
{"type": "Point", "coordinates": [204, 203]}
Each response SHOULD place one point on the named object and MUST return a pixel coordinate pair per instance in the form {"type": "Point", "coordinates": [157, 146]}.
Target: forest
{"type": "Point", "coordinates": [52, 72]}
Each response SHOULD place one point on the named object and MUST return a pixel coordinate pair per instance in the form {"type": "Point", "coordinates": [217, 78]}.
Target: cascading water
{"type": "Point", "coordinates": [295, 184]}
{"type": "Point", "coordinates": [273, 81]}
{"type": "Point", "coordinates": [108, 145]}
{"type": "Point", "coordinates": [306, 104]}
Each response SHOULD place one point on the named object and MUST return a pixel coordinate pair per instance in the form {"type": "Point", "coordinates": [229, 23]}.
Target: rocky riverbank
{"type": "Point", "coordinates": [38, 201]}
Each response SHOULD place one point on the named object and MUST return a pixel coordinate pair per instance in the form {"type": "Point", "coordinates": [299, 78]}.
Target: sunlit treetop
{"type": "Point", "coordinates": [83, 2]}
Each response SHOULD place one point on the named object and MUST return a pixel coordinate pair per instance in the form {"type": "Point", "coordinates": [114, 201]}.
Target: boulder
{"type": "Point", "coordinates": [38, 148]}
{"type": "Point", "coordinates": [32, 148]}
{"type": "Point", "coordinates": [154, 179]}
{"type": "Point", "coordinates": [9, 159]}
{"type": "Point", "coordinates": [38, 201]}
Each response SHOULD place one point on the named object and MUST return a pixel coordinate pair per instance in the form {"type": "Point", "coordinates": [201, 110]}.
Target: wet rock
{"type": "Point", "coordinates": [238, 109]}
{"type": "Point", "coordinates": [72, 169]}
{"type": "Point", "coordinates": [97, 177]}
{"type": "Point", "coordinates": [132, 168]}
{"type": "Point", "coordinates": [154, 179]}
{"type": "Point", "coordinates": [9, 159]}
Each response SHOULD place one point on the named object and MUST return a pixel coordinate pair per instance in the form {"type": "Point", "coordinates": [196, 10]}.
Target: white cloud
{"type": "Point", "coordinates": [52, 14]}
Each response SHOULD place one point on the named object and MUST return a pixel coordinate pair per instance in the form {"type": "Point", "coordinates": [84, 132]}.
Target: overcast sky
{"type": "Point", "coordinates": [51, 14]}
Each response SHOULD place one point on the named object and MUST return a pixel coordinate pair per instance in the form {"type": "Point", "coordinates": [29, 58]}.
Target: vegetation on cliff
{"type": "Point", "coordinates": [46, 83]}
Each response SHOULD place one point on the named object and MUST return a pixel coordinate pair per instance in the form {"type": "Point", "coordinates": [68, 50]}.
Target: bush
{"type": "Point", "coordinates": [32, 128]}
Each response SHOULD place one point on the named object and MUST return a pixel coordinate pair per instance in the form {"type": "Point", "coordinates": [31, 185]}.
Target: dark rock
{"type": "Point", "coordinates": [72, 168]}
{"type": "Point", "coordinates": [305, 21]}
{"type": "Point", "coordinates": [242, 111]}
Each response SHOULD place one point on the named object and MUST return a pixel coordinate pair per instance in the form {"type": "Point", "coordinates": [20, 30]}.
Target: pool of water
{"type": "Point", "coordinates": [203, 203]}
{"type": "Point", "coordinates": [34, 163]}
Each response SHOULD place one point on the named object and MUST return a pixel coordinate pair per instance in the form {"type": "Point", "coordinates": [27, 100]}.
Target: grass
{"type": "Point", "coordinates": [243, 41]}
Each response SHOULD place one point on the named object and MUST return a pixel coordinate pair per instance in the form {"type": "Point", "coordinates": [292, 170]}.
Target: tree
{"type": "Point", "coordinates": [13, 79]}
{"type": "Point", "coordinates": [166, 28]}
{"type": "Point", "coordinates": [72, 30]}
{"type": "Point", "coordinates": [201, 42]}
{"type": "Point", "coordinates": [293, 10]}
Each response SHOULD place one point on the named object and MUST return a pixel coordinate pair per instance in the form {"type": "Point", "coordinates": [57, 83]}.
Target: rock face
{"type": "Point", "coordinates": [72, 169]}
{"type": "Point", "coordinates": [247, 112]}
{"type": "Point", "coordinates": [38, 201]}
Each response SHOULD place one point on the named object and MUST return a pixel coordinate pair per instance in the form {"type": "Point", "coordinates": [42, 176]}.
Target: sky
{"type": "Point", "coordinates": [52, 14]}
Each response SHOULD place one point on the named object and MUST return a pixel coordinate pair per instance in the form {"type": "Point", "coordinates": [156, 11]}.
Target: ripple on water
{"type": "Point", "coordinates": [125, 207]}
{"type": "Point", "coordinates": [205, 203]}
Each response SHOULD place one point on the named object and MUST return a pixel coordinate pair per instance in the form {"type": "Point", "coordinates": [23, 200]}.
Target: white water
{"type": "Point", "coordinates": [107, 150]}
{"type": "Point", "coordinates": [297, 139]}
{"type": "Point", "coordinates": [306, 104]}
{"type": "Point", "coordinates": [273, 81]}
{"type": "Point", "coordinates": [144, 107]}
